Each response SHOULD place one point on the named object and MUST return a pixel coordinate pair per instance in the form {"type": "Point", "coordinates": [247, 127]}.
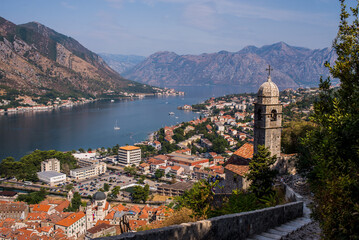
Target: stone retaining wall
{"type": "Point", "coordinates": [232, 226]}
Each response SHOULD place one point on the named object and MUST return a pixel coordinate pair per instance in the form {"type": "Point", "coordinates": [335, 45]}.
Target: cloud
{"type": "Point", "coordinates": [202, 16]}
{"type": "Point", "coordinates": [68, 6]}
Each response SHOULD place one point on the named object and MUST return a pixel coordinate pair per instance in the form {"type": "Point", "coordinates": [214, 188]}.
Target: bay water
{"type": "Point", "coordinates": [92, 125]}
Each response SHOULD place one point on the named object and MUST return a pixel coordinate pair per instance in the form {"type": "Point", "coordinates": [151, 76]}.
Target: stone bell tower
{"type": "Point", "coordinates": [268, 117]}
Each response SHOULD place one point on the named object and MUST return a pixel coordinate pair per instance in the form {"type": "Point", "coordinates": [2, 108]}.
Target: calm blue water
{"type": "Point", "coordinates": [91, 125]}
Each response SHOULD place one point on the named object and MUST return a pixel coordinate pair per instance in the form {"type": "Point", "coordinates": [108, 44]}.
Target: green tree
{"type": "Point", "coordinates": [332, 160]}
{"type": "Point", "coordinates": [140, 193]}
{"type": "Point", "coordinates": [199, 198]}
{"type": "Point", "coordinates": [81, 150]}
{"type": "Point", "coordinates": [114, 192]}
{"type": "Point", "coordinates": [141, 180]}
{"type": "Point", "coordinates": [75, 203]}
{"type": "Point", "coordinates": [159, 173]}
{"type": "Point", "coordinates": [219, 144]}
{"type": "Point", "coordinates": [34, 197]}
{"type": "Point", "coordinates": [130, 170]}
{"type": "Point", "coordinates": [106, 187]}
{"type": "Point", "coordinates": [260, 173]}
{"type": "Point", "coordinates": [292, 133]}
{"type": "Point", "coordinates": [68, 187]}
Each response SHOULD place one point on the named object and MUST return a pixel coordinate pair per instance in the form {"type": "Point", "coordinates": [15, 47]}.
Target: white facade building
{"type": "Point", "coordinates": [74, 225]}
{"type": "Point", "coordinates": [50, 165]}
{"type": "Point", "coordinates": [51, 177]}
{"type": "Point", "coordinates": [90, 171]}
{"type": "Point", "coordinates": [129, 155]}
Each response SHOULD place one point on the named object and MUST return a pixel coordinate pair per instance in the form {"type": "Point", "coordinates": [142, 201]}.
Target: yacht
{"type": "Point", "coordinates": [116, 127]}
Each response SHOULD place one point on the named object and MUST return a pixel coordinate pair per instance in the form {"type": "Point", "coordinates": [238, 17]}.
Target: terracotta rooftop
{"type": "Point", "coordinates": [241, 170]}
{"type": "Point", "coordinates": [64, 204]}
{"type": "Point", "coordinates": [134, 224]}
{"type": "Point", "coordinates": [41, 208]}
{"type": "Point", "coordinates": [129, 148]}
{"type": "Point", "coordinates": [175, 168]}
{"type": "Point", "coordinates": [102, 221]}
{"type": "Point", "coordinates": [99, 228]}
{"type": "Point", "coordinates": [66, 222]}
{"type": "Point", "coordinates": [36, 216]}
{"type": "Point", "coordinates": [246, 151]}
{"type": "Point", "coordinates": [13, 206]}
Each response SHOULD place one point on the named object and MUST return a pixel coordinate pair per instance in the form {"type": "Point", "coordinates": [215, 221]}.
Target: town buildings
{"type": "Point", "coordinates": [52, 177]}
{"type": "Point", "coordinates": [187, 162]}
{"type": "Point", "coordinates": [89, 171]}
{"type": "Point", "coordinates": [176, 189]}
{"type": "Point", "coordinates": [74, 225]}
{"type": "Point", "coordinates": [97, 209]}
{"type": "Point", "coordinates": [50, 165]}
{"type": "Point", "coordinates": [13, 210]}
{"type": "Point", "coordinates": [129, 155]}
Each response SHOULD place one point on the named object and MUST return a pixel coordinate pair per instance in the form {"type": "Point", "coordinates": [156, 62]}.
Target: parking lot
{"type": "Point", "coordinates": [89, 187]}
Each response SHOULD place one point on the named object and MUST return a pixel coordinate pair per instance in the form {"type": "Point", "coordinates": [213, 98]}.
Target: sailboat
{"type": "Point", "coordinates": [116, 127]}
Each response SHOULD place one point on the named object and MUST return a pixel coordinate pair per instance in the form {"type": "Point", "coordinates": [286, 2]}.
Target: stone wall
{"type": "Point", "coordinates": [232, 226]}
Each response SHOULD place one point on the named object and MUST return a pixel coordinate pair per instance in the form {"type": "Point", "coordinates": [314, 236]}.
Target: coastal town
{"type": "Point", "coordinates": [102, 195]}
{"type": "Point", "coordinates": [22, 103]}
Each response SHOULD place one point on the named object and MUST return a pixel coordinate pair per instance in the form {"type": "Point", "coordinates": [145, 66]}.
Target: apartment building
{"type": "Point", "coordinates": [73, 225]}
{"type": "Point", "coordinates": [50, 165]}
{"type": "Point", "coordinates": [52, 177]}
{"type": "Point", "coordinates": [129, 155]}
{"type": "Point", "coordinates": [90, 171]}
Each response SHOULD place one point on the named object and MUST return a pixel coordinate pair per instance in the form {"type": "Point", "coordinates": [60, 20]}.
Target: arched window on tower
{"type": "Point", "coordinates": [274, 115]}
{"type": "Point", "coordinates": [259, 114]}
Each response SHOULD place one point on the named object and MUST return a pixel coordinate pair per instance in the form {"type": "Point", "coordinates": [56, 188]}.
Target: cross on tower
{"type": "Point", "coordinates": [269, 69]}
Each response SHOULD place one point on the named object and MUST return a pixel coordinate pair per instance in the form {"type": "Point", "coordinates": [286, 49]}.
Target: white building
{"type": "Point", "coordinates": [129, 155]}
{"type": "Point", "coordinates": [90, 171]}
{"type": "Point", "coordinates": [84, 155]}
{"type": "Point", "coordinates": [50, 165]}
{"type": "Point", "coordinates": [73, 225]}
{"type": "Point", "coordinates": [97, 209]}
{"type": "Point", "coordinates": [51, 177]}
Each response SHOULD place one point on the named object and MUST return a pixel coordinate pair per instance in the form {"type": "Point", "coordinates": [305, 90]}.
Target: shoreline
{"type": "Point", "coordinates": [69, 103]}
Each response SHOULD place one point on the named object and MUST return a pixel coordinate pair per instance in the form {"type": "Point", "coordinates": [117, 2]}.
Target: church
{"type": "Point", "coordinates": [267, 131]}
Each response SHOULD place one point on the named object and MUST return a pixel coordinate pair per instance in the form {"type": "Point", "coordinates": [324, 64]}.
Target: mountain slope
{"type": "Point", "coordinates": [39, 61]}
{"type": "Point", "coordinates": [121, 63]}
{"type": "Point", "coordinates": [293, 67]}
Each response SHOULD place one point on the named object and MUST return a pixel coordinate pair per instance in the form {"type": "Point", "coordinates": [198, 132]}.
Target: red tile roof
{"type": "Point", "coordinates": [134, 224]}
{"type": "Point", "coordinates": [241, 170]}
{"type": "Point", "coordinates": [41, 208]}
{"type": "Point", "coordinates": [64, 204]}
{"type": "Point", "coordinates": [66, 222]}
{"type": "Point", "coordinates": [246, 151]}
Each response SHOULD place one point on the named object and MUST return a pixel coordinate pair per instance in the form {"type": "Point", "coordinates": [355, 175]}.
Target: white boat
{"type": "Point", "coordinates": [171, 113]}
{"type": "Point", "coordinates": [112, 100]}
{"type": "Point", "coordinates": [116, 127]}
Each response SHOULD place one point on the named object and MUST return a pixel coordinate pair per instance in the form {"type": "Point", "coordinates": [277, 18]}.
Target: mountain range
{"type": "Point", "coordinates": [292, 67]}
{"type": "Point", "coordinates": [37, 60]}
{"type": "Point", "coordinates": [121, 63]}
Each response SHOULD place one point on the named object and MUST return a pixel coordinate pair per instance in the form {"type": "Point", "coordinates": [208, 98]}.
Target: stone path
{"type": "Point", "coordinates": [283, 230]}
{"type": "Point", "coordinates": [300, 228]}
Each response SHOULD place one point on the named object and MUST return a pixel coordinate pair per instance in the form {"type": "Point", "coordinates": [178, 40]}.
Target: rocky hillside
{"type": "Point", "coordinates": [37, 60]}
{"type": "Point", "coordinates": [121, 63]}
{"type": "Point", "coordinates": [293, 67]}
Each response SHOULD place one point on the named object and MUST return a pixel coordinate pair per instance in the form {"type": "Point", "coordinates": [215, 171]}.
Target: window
{"type": "Point", "coordinates": [274, 115]}
{"type": "Point", "coordinates": [259, 114]}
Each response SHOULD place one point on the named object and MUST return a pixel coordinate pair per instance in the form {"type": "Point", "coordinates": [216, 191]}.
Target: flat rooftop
{"type": "Point", "coordinates": [129, 148]}
{"type": "Point", "coordinates": [49, 174]}
{"type": "Point", "coordinates": [177, 186]}
{"type": "Point", "coordinates": [185, 158]}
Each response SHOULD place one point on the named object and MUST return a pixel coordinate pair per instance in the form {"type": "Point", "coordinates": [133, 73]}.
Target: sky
{"type": "Point", "coordinates": [143, 27]}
